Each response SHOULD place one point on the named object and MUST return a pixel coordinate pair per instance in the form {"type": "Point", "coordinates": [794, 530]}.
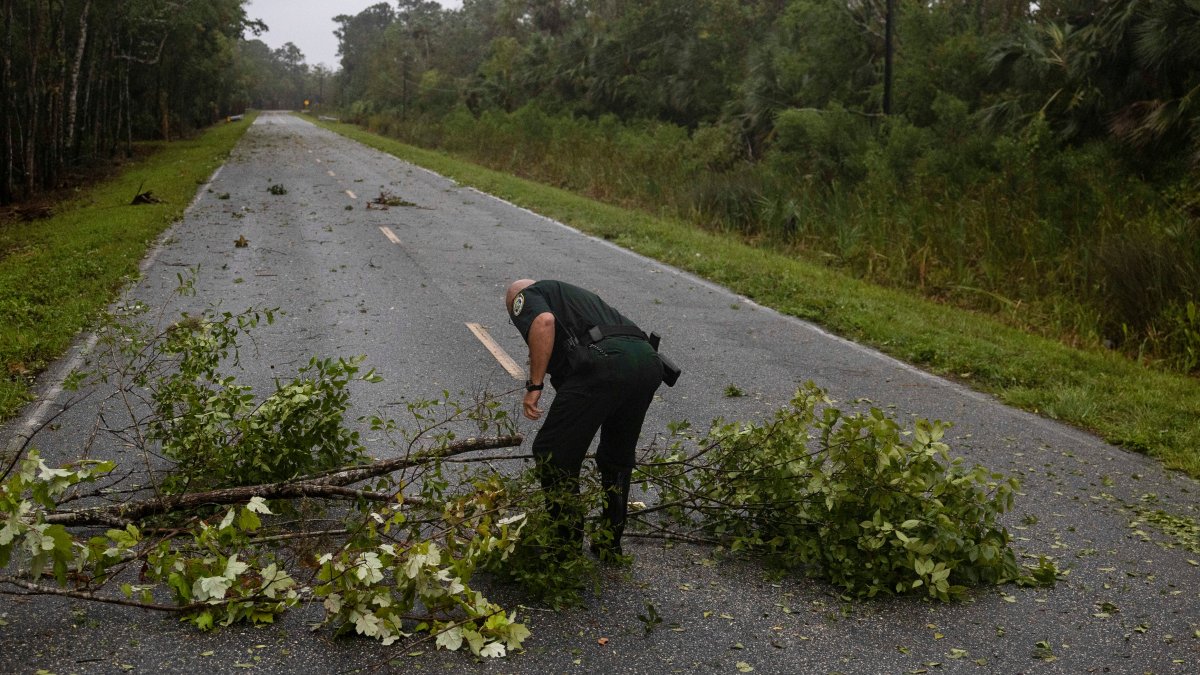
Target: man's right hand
{"type": "Point", "coordinates": [532, 411]}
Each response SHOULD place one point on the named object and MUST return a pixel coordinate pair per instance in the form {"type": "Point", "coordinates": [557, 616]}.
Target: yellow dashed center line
{"type": "Point", "coordinates": [387, 232]}
{"type": "Point", "coordinates": [352, 195]}
{"type": "Point", "coordinates": [497, 351]}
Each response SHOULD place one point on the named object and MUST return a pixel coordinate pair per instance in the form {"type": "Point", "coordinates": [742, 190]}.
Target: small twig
{"type": "Point", "coordinates": [476, 460]}
{"type": "Point", "coordinates": [19, 451]}
{"type": "Point", "coordinates": [672, 536]}
{"type": "Point", "coordinates": [298, 535]}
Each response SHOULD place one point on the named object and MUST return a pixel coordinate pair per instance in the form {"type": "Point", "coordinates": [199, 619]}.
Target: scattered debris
{"type": "Point", "coordinates": [277, 190]}
{"type": "Point", "coordinates": [385, 200]}
{"type": "Point", "coordinates": [146, 197]}
{"type": "Point", "coordinates": [241, 242]}
{"type": "Point", "coordinates": [28, 213]}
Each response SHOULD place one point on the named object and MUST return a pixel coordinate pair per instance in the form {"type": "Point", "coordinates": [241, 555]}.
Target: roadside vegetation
{"type": "Point", "coordinates": [59, 272]}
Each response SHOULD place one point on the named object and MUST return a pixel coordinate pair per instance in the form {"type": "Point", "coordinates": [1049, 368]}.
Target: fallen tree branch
{"type": "Point", "coordinates": [331, 485]}
{"type": "Point", "coordinates": [385, 466]}
{"type": "Point", "coordinates": [673, 536]}
{"type": "Point", "coordinates": [257, 541]}
{"type": "Point", "coordinates": [39, 589]}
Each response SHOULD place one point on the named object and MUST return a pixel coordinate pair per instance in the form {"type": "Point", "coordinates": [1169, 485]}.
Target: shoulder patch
{"type": "Point", "coordinates": [518, 304]}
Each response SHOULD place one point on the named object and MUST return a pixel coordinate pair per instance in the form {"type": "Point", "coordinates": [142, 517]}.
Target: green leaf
{"type": "Point", "coordinates": [258, 505]}
{"type": "Point", "coordinates": [515, 636]}
{"type": "Point", "coordinates": [492, 650]}
{"type": "Point", "coordinates": [233, 568]}
{"type": "Point", "coordinates": [450, 639]}
{"type": "Point", "coordinates": [204, 621]}
{"type": "Point", "coordinates": [210, 588]}
{"type": "Point", "coordinates": [248, 520]}
{"type": "Point", "coordinates": [474, 640]}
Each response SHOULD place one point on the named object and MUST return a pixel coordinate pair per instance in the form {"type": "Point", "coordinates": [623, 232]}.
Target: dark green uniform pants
{"type": "Point", "coordinates": [612, 398]}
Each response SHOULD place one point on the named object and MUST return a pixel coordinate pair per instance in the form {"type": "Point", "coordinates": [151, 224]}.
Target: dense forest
{"type": "Point", "coordinates": [84, 80]}
{"type": "Point", "coordinates": [1037, 161]}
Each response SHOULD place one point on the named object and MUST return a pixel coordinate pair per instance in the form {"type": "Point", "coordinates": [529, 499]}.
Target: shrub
{"type": "Point", "coordinates": [1142, 276]}
{"type": "Point", "coordinates": [217, 431]}
{"type": "Point", "coordinates": [828, 143]}
{"type": "Point", "coordinates": [727, 200]}
{"type": "Point", "coordinates": [713, 147]}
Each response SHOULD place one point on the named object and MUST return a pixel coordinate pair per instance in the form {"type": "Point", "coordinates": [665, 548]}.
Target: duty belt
{"type": "Point", "coordinates": [671, 372]}
{"type": "Point", "coordinates": [598, 333]}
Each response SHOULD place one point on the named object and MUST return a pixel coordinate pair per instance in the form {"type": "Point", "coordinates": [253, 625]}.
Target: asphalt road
{"type": "Point", "coordinates": [346, 287]}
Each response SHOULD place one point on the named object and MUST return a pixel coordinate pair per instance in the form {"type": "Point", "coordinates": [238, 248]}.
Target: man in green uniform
{"type": "Point", "coordinates": [605, 374]}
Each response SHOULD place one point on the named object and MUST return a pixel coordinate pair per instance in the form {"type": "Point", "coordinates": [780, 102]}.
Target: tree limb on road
{"type": "Point", "coordinates": [328, 485]}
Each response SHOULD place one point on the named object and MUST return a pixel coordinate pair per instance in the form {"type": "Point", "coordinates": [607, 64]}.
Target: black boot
{"type": "Point", "coordinates": [565, 509]}
{"type": "Point", "coordinates": [567, 515]}
{"type": "Point", "coordinates": [612, 521]}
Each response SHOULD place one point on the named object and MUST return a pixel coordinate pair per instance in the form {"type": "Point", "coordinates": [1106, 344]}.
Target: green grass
{"type": "Point", "coordinates": [1127, 404]}
{"type": "Point", "coordinates": [57, 273]}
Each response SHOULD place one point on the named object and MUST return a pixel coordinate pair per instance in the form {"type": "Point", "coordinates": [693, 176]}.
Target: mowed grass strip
{"type": "Point", "coordinates": [57, 273]}
{"type": "Point", "coordinates": [1125, 403]}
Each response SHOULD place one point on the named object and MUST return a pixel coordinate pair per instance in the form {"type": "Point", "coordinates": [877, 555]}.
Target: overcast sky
{"type": "Point", "coordinates": [308, 24]}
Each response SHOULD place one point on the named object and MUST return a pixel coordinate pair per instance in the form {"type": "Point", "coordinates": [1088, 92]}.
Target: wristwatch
{"type": "Point", "coordinates": [530, 386]}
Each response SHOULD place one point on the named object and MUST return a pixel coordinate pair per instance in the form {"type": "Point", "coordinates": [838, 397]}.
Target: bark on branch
{"type": "Point", "coordinates": [327, 485]}
{"type": "Point", "coordinates": [39, 589]}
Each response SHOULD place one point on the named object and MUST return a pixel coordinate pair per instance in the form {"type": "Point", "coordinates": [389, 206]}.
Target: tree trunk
{"type": "Point", "coordinates": [34, 46]}
{"type": "Point", "coordinates": [76, 67]}
{"type": "Point", "coordinates": [54, 143]}
{"type": "Point", "coordinates": [87, 111]}
{"type": "Point", "coordinates": [8, 107]}
{"type": "Point", "coordinates": [165, 111]}
{"type": "Point", "coordinates": [125, 109]}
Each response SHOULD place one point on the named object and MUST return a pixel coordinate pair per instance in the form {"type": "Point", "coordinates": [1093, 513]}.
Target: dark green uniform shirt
{"type": "Point", "coordinates": [575, 311]}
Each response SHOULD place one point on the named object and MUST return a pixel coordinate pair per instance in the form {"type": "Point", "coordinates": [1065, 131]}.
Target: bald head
{"type": "Point", "coordinates": [513, 289]}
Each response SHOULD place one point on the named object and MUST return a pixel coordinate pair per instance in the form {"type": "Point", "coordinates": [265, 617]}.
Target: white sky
{"type": "Point", "coordinates": [309, 24]}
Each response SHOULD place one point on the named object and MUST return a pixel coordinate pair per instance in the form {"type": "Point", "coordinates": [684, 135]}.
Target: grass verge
{"type": "Point", "coordinates": [56, 273]}
{"type": "Point", "coordinates": [1125, 403]}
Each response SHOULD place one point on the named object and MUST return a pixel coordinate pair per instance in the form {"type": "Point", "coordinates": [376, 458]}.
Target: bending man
{"type": "Point", "coordinates": [605, 374]}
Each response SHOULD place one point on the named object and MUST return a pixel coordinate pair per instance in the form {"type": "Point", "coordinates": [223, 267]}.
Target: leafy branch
{"type": "Point", "coordinates": [852, 498]}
